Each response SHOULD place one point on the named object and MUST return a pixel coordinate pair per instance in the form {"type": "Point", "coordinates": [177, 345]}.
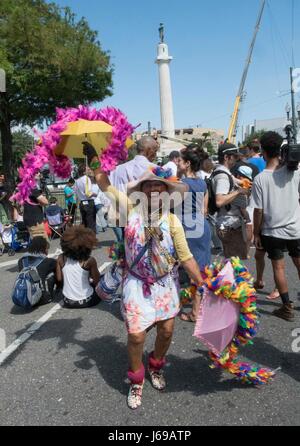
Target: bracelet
{"type": "Point", "coordinates": [95, 165]}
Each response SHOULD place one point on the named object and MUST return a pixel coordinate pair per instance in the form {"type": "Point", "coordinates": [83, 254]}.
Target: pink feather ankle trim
{"type": "Point", "coordinates": [156, 364]}
{"type": "Point", "coordinates": [137, 377]}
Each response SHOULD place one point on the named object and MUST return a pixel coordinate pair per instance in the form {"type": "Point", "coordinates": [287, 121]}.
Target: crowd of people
{"type": "Point", "coordinates": [249, 199]}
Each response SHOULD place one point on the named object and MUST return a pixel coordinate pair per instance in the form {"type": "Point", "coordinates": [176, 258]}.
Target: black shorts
{"type": "Point", "coordinates": [276, 247]}
{"type": "Point", "coordinates": [91, 301]}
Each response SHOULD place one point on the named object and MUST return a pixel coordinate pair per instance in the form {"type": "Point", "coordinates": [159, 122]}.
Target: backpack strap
{"type": "Point", "coordinates": [219, 172]}
{"type": "Point", "coordinates": [34, 264]}
{"type": "Point", "coordinates": [231, 183]}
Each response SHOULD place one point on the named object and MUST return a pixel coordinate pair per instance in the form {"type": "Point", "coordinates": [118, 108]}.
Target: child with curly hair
{"type": "Point", "coordinates": [77, 269]}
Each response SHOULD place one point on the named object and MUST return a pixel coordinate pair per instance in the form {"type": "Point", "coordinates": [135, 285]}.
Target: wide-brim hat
{"type": "Point", "coordinates": [161, 175]}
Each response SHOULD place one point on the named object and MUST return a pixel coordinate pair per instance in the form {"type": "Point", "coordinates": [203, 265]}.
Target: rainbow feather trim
{"type": "Point", "coordinates": [243, 294]}
{"type": "Point", "coordinates": [117, 253]}
{"type": "Point", "coordinates": [187, 295]}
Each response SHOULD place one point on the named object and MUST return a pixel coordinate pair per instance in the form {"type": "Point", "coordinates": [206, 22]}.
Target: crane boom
{"type": "Point", "coordinates": [237, 105]}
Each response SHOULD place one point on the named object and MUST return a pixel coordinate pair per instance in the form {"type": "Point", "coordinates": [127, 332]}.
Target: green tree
{"type": "Point", "coordinates": [205, 143]}
{"type": "Point", "coordinates": [51, 60]}
{"type": "Point", "coordinates": [22, 142]}
{"type": "Point", "coordinates": [253, 136]}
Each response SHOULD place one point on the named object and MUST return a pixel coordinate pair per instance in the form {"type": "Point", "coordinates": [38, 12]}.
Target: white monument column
{"type": "Point", "coordinates": [166, 102]}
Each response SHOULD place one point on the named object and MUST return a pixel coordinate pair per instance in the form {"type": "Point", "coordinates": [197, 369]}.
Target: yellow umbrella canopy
{"type": "Point", "coordinates": [97, 133]}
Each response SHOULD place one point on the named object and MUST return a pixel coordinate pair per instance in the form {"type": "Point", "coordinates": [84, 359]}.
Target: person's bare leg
{"type": "Point", "coordinates": [135, 348]}
{"type": "Point", "coordinates": [286, 310]}
{"type": "Point", "coordinates": [280, 276]}
{"type": "Point", "coordinates": [296, 261]}
{"type": "Point", "coordinates": [260, 268]}
{"type": "Point", "coordinates": [192, 315]}
{"type": "Point", "coordinates": [196, 305]}
{"type": "Point", "coordinates": [163, 339]}
{"type": "Point", "coordinates": [249, 232]}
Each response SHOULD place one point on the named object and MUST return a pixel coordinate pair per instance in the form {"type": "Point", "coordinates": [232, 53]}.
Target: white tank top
{"type": "Point", "coordinates": [76, 281]}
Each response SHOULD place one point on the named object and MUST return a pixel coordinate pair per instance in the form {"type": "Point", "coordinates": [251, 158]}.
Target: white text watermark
{"type": "Point", "coordinates": [296, 342]}
{"type": "Point", "coordinates": [190, 211]}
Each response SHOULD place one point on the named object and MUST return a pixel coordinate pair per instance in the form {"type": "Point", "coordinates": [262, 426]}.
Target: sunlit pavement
{"type": "Point", "coordinates": [72, 371]}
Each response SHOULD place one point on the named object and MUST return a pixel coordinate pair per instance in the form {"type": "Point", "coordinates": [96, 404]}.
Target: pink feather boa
{"type": "Point", "coordinates": [60, 166]}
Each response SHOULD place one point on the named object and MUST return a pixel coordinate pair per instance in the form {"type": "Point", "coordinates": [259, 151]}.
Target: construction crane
{"type": "Point", "coordinates": [235, 116]}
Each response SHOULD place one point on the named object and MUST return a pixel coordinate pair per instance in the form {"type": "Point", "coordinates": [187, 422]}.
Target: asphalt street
{"type": "Point", "coordinates": [72, 371]}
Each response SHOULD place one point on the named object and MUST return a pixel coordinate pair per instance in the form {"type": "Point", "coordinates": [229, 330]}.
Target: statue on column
{"type": "Point", "coordinates": [161, 33]}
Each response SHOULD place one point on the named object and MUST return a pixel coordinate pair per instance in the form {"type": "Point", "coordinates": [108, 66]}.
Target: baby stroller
{"type": "Point", "coordinates": [14, 237]}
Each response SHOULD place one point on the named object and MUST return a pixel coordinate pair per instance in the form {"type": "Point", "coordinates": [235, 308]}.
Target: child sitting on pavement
{"type": "Point", "coordinates": [76, 269]}
{"type": "Point", "coordinates": [38, 249]}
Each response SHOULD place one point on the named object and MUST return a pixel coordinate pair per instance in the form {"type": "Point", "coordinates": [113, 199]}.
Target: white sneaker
{"type": "Point", "coordinates": [158, 380]}
{"type": "Point", "coordinates": [134, 399]}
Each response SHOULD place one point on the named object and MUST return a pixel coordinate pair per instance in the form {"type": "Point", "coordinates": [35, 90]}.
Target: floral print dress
{"type": "Point", "coordinates": [151, 289]}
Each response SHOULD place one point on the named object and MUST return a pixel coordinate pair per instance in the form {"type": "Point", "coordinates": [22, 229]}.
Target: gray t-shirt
{"type": "Point", "coordinates": [277, 194]}
{"type": "Point", "coordinates": [221, 186]}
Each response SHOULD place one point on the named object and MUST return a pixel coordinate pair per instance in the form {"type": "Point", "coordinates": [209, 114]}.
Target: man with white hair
{"type": "Point", "coordinates": [147, 148]}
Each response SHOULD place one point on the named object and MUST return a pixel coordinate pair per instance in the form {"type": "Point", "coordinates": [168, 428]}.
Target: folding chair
{"type": "Point", "coordinates": [57, 224]}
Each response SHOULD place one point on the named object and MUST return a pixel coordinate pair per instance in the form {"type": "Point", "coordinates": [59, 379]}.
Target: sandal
{"type": "Point", "coordinates": [187, 317]}
{"type": "Point", "coordinates": [274, 295]}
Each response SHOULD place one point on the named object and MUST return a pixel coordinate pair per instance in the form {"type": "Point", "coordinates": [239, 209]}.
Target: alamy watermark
{"type": "Point", "coordinates": [189, 210]}
{"type": "Point", "coordinates": [296, 342]}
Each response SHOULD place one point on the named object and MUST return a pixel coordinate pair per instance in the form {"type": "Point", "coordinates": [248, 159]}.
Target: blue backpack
{"type": "Point", "coordinates": [28, 288]}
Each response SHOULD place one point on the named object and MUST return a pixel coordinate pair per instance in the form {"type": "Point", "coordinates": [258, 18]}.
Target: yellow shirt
{"type": "Point", "coordinates": [176, 229]}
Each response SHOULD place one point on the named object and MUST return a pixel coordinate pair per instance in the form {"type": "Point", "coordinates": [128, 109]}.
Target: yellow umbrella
{"type": "Point", "coordinates": [97, 133]}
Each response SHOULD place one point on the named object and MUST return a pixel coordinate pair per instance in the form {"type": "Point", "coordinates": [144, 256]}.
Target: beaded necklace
{"type": "Point", "coordinates": [155, 233]}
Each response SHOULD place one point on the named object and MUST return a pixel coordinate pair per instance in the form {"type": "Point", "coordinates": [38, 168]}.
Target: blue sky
{"type": "Point", "coordinates": [209, 41]}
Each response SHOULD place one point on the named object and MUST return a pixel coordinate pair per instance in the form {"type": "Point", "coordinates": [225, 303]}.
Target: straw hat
{"type": "Point", "coordinates": [161, 175]}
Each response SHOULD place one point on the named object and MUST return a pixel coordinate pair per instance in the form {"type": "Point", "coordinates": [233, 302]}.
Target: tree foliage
{"type": "Point", "coordinates": [23, 142]}
{"type": "Point", "coordinates": [51, 60]}
{"type": "Point", "coordinates": [254, 136]}
{"type": "Point", "coordinates": [205, 143]}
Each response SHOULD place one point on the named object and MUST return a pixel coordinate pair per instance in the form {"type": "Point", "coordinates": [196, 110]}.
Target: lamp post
{"type": "Point", "coordinates": [288, 111]}
{"type": "Point", "coordinates": [298, 123]}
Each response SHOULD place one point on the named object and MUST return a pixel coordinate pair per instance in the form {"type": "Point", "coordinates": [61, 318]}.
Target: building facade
{"type": "Point", "coordinates": [214, 136]}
